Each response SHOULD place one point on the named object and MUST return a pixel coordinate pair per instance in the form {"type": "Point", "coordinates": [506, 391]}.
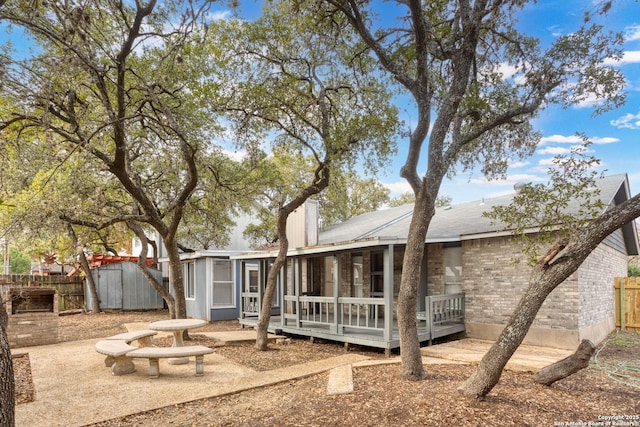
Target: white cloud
{"type": "Point", "coordinates": [628, 121]}
{"type": "Point", "coordinates": [555, 30]}
{"type": "Point", "coordinates": [604, 140]}
{"type": "Point", "coordinates": [546, 162]}
{"type": "Point", "coordinates": [576, 140]}
{"type": "Point", "coordinates": [398, 187]}
{"type": "Point", "coordinates": [561, 139]}
{"type": "Point", "coordinates": [554, 150]}
{"type": "Point", "coordinates": [507, 70]}
{"type": "Point", "coordinates": [518, 164]}
{"type": "Point", "coordinates": [632, 33]}
{"type": "Point", "coordinates": [219, 15]}
{"type": "Point", "coordinates": [236, 155]}
{"type": "Point", "coordinates": [628, 57]}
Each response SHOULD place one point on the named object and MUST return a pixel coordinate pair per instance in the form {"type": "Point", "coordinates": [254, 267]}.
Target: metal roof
{"type": "Point", "coordinates": [457, 222]}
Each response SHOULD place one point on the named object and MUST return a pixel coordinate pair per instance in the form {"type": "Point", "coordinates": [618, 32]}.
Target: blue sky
{"type": "Point", "coordinates": [616, 133]}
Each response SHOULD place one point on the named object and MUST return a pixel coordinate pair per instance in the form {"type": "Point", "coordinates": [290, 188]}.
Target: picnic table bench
{"type": "Point", "coordinates": [120, 352]}
{"type": "Point", "coordinates": [116, 352]}
{"type": "Point", "coordinates": [117, 346]}
{"type": "Point", "coordinates": [156, 353]}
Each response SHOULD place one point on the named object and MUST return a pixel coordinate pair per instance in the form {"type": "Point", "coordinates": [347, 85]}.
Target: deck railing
{"type": "Point", "coordinates": [362, 313]}
{"type": "Point", "coordinates": [359, 313]}
{"type": "Point", "coordinates": [250, 304]}
{"type": "Point", "coordinates": [318, 310]}
{"type": "Point", "coordinates": [446, 308]}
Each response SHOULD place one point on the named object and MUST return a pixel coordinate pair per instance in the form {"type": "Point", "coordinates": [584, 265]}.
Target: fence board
{"type": "Point", "coordinates": [627, 303]}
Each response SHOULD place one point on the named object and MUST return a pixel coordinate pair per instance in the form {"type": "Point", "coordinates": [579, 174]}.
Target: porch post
{"type": "Point", "coordinates": [297, 280]}
{"type": "Point", "coordinates": [387, 258]}
{"type": "Point", "coordinates": [336, 328]}
{"type": "Point", "coordinates": [262, 270]}
{"type": "Point", "coordinates": [283, 287]}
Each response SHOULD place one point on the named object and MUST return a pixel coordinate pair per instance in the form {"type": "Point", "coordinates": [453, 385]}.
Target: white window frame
{"type": "Point", "coordinates": [189, 291]}
{"type": "Point", "coordinates": [230, 282]}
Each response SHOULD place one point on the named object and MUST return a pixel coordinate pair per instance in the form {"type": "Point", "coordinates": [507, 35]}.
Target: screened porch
{"type": "Point", "coordinates": [361, 321]}
{"type": "Point", "coordinates": [348, 296]}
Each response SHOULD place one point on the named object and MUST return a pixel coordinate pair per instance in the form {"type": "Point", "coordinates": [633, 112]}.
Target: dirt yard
{"type": "Point", "coordinates": [609, 388]}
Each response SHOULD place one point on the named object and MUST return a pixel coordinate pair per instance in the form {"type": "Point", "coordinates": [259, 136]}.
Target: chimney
{"type": "Point", "coordinates": [302, 225]}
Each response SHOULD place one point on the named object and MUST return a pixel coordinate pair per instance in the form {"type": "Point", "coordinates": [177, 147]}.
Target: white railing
{"type": "Point", "coordinates": [250, 303]}
{"type": "Point", "coordinates": [363, 313]}
{"type": "Point", "coordinates": [318, 310]}
{"type": "Point", "coordinates": [358, 313]}
{"type": "Point", "coordinates": [446, 308]}
{"type": "Point", "coordinates": [442, 309]}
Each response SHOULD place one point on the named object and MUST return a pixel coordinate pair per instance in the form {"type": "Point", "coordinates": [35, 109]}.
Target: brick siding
{"type": "Point", "coordinates": [596, 277]}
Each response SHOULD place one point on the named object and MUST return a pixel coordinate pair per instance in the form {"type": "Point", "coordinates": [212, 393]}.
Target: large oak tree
{"type": "Point", "coordinates": [115, 81]}
{"type": "Point", "coordinates": [450, 56]}
{"type": "Point", "coordinates": [300, 87]}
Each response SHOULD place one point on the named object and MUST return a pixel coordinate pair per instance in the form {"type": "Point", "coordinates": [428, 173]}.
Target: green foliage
{"type": "Point", "coordinates": [541, 213]}
{"type": "Point", "coordinates": [633, 270]}
{"type": "Point", "coordinates": [19, 263]}
{"type": "Point", "coordinates": [410, 198]}
{"type": "Point", "coordinates": [402, 199]}
{"type": "Point", "coordinates": [348, 196]}
{"type": "Point", "coordinates": [304, 91]}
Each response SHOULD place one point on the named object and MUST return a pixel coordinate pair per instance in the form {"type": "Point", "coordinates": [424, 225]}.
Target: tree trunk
{"type": "Point", "coordinates": [91, 284]}
{"type": "Point", "coordinates": [567, 366]}
{"type": "Point", "coordinates": [175, 267]}
{"type": "Point", "coordinates": [7, 385]}
{"type": "Point", "coordinates": [482, 381]}
{"type": "Point", "coordinates": [410, 354]}
{"type": "Point", "coordinates": [142, 265]}
{"type": "Point", "coordinates": [272, 280]}
{"type": "Point", "coordinates": [560, 262]}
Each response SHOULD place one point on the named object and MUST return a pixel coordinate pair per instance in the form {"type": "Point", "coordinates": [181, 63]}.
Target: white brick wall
{"type": "Point", "coordinates": [493, 284]}
{"type": "Point", "coordinates": [596, 284]}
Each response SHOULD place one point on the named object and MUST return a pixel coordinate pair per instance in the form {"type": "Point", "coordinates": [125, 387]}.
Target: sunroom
{"type": "Point", "coordinates": [345, 292]}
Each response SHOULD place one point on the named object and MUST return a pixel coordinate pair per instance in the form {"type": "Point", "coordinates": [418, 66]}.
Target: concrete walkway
{"type": "Point", "coordinates": [526, 359]}
{"type": "Point", "coordinates": [74, 388]}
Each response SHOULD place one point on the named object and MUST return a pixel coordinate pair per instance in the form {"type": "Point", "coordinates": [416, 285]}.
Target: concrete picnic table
{"type": "Point", "coordinates": [177, 326]}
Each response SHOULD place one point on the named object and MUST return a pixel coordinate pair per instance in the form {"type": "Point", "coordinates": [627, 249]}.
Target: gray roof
{"type": "Point", "coordinates": [451, 223]}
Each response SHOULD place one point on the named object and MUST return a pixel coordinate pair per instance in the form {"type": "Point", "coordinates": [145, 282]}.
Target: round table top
{"type": "Point", "coordinates": [176, 324]}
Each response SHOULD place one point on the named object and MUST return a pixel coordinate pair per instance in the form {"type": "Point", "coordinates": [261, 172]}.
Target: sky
{"type": "Point", "coordinates": [616, 134]}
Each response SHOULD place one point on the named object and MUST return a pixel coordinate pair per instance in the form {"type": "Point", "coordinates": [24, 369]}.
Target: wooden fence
{"type": "Point", "coordinates": [627, 303]}
{"type": "Point", "coordinates": [70, 289]}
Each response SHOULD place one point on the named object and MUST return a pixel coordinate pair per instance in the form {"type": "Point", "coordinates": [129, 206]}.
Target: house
{"type": "Point", "coordinates": [344, 286]}
{"type": "Point", "coordinates": [210, 276]}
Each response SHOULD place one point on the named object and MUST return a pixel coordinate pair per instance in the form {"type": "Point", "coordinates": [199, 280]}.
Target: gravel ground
{"type": "Point", "coordinates": [609, 388]}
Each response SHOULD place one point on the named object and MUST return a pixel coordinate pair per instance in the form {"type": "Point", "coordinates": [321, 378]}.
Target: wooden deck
{"type": "Point", "coordinates": [362, 320]}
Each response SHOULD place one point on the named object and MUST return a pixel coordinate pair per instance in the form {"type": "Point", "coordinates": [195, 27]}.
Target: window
{"type": "Point", "coordinates": [377, 273]}
{"type": "Point", "coordinates": [319, 277]}
{"type": "Point", "coordinates": [452, 269]}
{"type": "Point", "coordinates": [188, 279]}
{"type": "Point", "coordinates": [358, 275]}
{"type": "Point", "coordinates": [223, 284]}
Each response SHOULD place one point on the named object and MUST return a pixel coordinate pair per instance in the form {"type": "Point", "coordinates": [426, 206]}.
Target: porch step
{"type": "Point", "coordinates": [340, 380]}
